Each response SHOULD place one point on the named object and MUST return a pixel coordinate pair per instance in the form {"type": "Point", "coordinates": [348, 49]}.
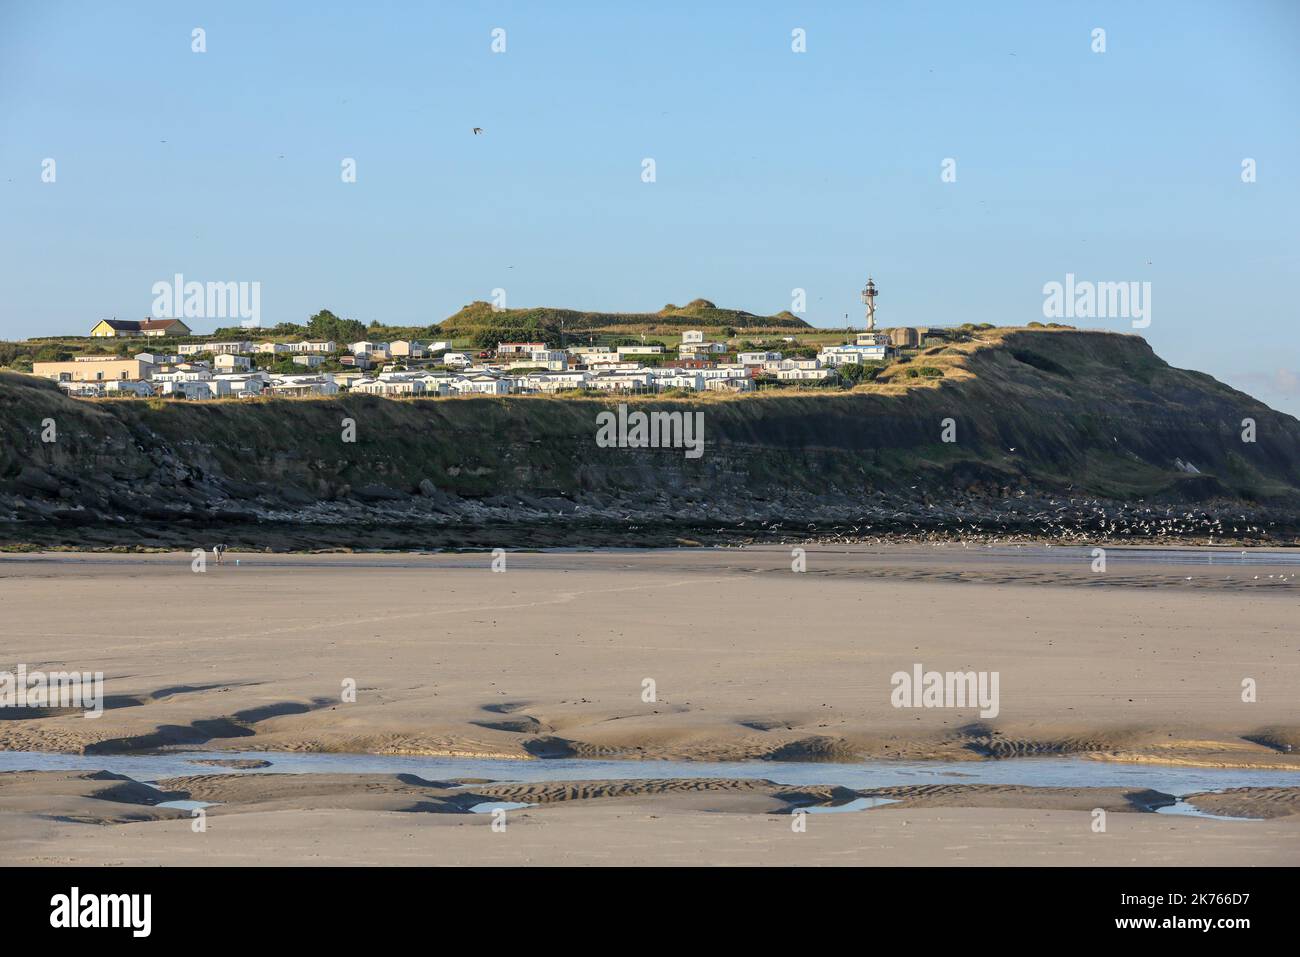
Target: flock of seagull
{"type": "Point", "coordinates": [1071, 522]}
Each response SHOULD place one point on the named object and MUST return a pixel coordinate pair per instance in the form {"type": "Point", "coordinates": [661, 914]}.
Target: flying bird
{"type": "Point", "coordinates": [478, 130]}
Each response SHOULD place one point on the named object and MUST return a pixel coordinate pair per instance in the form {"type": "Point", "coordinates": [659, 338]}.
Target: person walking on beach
{"type": "Point", "coordinates": [218, 551]}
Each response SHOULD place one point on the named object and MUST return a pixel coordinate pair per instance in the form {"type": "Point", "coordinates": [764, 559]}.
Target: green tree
{"type": "Point", "coordinates": [326, 325]}
{"type": "Point", "coordinates": [852, 373]}
{"type": "Point", "coordinates": [9, 353]}
{"type": "Point", "coordinates": [52, 353]}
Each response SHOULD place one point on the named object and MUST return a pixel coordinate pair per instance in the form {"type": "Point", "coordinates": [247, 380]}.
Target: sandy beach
{"type": "Point", "coordinates": [749, 660]}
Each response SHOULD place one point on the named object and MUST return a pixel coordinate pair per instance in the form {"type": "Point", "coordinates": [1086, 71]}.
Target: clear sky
{"type": "Point", "coordinates": [774, 170]}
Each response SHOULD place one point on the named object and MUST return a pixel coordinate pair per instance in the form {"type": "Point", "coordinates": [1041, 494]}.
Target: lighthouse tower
{"type": "Point", "coordinates": [869, 297]}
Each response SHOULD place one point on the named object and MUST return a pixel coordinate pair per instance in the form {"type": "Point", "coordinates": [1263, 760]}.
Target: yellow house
{"type": "Point", "coordinates": [114, 327]}
{"type": "Point", "coordinates": [94, 369]}
{"type": "Point", "coordinates": [106, 328]}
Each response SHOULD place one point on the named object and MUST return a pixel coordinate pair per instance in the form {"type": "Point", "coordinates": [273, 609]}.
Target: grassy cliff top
{"type": "Point", "coordinates": [543, 320]}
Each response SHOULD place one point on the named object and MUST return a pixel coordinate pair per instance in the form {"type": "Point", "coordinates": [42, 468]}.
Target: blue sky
{"type": "Point", "coordinates": [775, 170]}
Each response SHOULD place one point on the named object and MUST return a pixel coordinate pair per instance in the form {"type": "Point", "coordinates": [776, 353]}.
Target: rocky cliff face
{"type": "Point", "coordinates": [1063, 434]}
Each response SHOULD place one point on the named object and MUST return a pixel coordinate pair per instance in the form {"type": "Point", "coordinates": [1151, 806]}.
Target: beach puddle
{"type": "Point", "coordinates": [487, 807]}
{"type": "Point", "coordinates": [186, 805]}
{"type": "Point", "coordinates": [1183, 809]}
{"type": "Point", "coordinates": [857, 804]}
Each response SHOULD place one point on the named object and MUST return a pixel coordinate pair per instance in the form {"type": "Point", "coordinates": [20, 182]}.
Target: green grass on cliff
{"type": "Point", "coordinates": [548, 324]}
